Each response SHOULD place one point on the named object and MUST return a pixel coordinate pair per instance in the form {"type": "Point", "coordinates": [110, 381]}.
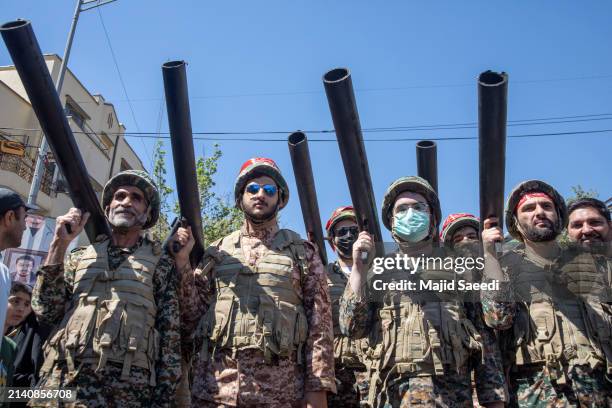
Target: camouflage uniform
{"type": "Point", "coordinates": [116, 310]}
{"type": "Point", "coordinates": [488, 373]}
{"type": "Point", "coordinates": [420, 343]}
{"type": "Point", "coordinates": [351, 376]}
{"type": "Point", "coordinates": [53, 294]}
{"type": "Point", "coordinates": [555, 326]}
{"type": "Point", "coordinates": [247, 349]}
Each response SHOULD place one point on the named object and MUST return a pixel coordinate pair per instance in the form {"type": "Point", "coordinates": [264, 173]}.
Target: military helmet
{"type": "Point", "coordinates": [339, 214]}
{"type": "Point", "coordinates": [261, 166]}
{"type": "Point", "coordinates": [533, 186]}
{"type": "Point", "coordinates": [413, 184]}
{"type": "Point", "coordinates": [456, 221]}
{"type": "Point", "coordinates": [141, 180]}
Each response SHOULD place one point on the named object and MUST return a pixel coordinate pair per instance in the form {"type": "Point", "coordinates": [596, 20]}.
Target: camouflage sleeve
{"type": "Point", "coordinates": [320, 340]}
{"type": "Point", "coordinates": [53, 289]}
{"type": "Point", "coordinates": [498, 306]}
{"type": "Point", "coordinates": [355, 314]}
{"type": "Point", "coordinates": [167, 323]}
{"type": "Point", "coordinates": [489, 371]}
{"type": "Point", "coordinates": [195, 294]}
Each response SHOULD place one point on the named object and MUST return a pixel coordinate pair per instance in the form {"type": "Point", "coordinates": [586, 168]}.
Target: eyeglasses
{"type": "Point", "coordinates": [269, 189]}
{"type": "Point", "coordinates": [416, 206]}
{"type": "Point", "coordinates": [343, 231]}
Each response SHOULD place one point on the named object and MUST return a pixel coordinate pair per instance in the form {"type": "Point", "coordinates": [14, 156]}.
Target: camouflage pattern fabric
{"type": "Point", "coordinates": [100, 389]}
{"type": "Point", "coordinates": [242, 377]}
{"type": "Point", "coordinates": [450, 390]}
{"type": "Point", "coordinates": [52, 294]}
{"type": "Point", "coordinates": [350, 390]}
{"type": "Point", "coordinates": [586, 388]}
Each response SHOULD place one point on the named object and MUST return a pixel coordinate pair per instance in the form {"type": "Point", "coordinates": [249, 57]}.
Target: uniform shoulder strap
{"type": "Point", "coordinates": [286, 238]}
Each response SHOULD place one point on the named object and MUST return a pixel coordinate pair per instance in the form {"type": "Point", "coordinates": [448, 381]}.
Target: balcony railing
{"type": "Point", "coordinates": [24, 168]}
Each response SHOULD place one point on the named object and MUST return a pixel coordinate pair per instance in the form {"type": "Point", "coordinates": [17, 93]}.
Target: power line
{"type": "Point", "coordinates": [452, 126]}
{"type": "Point", "coordinates": [112, 51]}
{"type": "Point", "coordinates": [367, 90]}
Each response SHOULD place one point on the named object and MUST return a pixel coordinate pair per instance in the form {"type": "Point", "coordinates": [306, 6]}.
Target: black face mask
{"type": "Point", "coordinates": [344, 245]}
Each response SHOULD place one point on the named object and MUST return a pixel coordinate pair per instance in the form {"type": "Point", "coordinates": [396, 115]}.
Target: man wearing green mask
{"type": "Point", "coordinates": [420, 340]}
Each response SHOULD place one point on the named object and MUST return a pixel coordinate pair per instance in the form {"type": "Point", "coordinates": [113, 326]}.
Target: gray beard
{"type": "Point", "coordinates": [121, 223]}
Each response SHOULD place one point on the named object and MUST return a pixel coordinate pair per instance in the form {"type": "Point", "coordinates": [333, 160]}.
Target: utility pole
{"type": "Point", "coordinates": [82, 5]}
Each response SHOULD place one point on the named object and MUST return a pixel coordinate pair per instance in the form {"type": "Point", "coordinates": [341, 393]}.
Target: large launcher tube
{"type": "Point", "coordinates": [181, 138]}
{"type": "Point", "coordinates": [30, 64]}
{"type": "Point", "coordinates": [302, 169]}
{"type": "Point", "coordinates": [492, 112]}
{"type": "Point", "coordinates": [341, 99]}
{"type": "Point", "coordinates": [427, 162]}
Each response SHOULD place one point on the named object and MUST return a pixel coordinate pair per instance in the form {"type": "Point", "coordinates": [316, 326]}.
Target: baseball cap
{"type": "Point", "coordinates": [10, 200]}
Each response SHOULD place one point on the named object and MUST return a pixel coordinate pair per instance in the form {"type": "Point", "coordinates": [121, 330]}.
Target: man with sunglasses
{"type": "Point", "coordinates": [420, 340]}
{"type": "Point", "coordinates": [260, 303]}
{"type": "Point", "coordinates": [352, 380]}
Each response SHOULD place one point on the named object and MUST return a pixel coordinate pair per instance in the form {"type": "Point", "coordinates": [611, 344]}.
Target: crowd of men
{"type": "Point", "coordinates": [261, 321]}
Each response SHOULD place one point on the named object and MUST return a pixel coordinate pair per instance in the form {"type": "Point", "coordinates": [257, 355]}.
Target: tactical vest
{"type": "Point", "coordinates": [556, 323]}
{"type": "Point", "coordinates": [421, 333]}
{"type": "Point", "coordinates": [346, 351]}
{"type": "Point", "coordinates": [112, 315]}
{"type": "Point", "coordinates": [257, 307]}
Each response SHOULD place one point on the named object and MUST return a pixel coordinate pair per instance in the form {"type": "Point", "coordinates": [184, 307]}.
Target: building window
{"type": "Point", "coordinates": [74, 113]}
{"type": "Point", "coordinates": [106, 141]}
{"type": "Point", "coordinates": [110, 120]}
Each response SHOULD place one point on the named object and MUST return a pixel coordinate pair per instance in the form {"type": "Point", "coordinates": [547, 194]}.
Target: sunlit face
{"type": "Point", "coordinates": [465, 234]}
{"type": "Point", "coordinates": [260, 205]}
{"type": "Point", "coordinates": [128, 208]}
{"type": "Point", "coordinates": [587, 226]}
{"type": "Point", "coordinates": [537, 218]}
{"type": "Point", "coordinates": [18, 308]}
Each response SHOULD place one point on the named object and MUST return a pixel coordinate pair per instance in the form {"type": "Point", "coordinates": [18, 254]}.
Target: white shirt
{"type": "Point", "coordinates": [5, 290]}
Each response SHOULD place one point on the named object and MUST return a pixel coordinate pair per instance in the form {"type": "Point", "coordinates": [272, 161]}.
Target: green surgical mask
{"type": "Point", "coordinates": [411, 225]}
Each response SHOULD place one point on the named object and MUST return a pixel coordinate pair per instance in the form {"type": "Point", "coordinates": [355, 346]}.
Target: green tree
{"type": "Point", "coordinates": [162, 228]}
{"type": "Point", "coordinates": [219, 216]}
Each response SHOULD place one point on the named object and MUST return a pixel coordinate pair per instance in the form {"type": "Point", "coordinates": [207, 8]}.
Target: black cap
{"type": "Point", "coordinates": [10, 200]}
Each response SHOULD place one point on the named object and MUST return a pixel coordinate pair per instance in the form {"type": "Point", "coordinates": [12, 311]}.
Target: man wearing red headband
{"type": "Point", "coordinates": [551, 309]}
{"type": "Point", "coordinates": [351, 375]}
{"type": "Point", "coordinates": [260, 304]}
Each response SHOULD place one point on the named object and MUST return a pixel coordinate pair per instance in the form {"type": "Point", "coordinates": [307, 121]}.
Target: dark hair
{"type": "Point", "coordinates": [598, 205]}
{"type": "Point", "coordinates": [15, 210]}
{"type": "Point", "coordinates": [26, 258]}
{"type": "Point", "coordinates": [17, 287]}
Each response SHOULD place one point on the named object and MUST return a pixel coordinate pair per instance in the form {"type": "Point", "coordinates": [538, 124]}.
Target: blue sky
{"type": "Point", "coordinates": [258, 66]}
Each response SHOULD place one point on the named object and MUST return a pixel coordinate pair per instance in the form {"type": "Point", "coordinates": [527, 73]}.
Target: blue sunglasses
{"type": "Point", "coordinates": [269, 189]}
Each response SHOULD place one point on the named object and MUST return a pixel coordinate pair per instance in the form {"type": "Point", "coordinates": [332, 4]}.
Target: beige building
{"type": "Point", "coordinates": [94, 122]}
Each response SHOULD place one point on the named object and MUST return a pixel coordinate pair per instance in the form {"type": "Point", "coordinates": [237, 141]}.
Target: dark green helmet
{"type": "Point", "coordinates": [533, 186]}
{"type": "Point", "coordinates": [141, 180]}
{"type": "Point", "coordinates": [413, 184]}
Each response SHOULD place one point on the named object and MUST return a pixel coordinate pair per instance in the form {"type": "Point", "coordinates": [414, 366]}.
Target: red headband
{"type": "Point", "coordinates": [527, 196]}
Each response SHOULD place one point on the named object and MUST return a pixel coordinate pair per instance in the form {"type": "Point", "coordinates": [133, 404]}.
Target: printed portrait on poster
{"type": "Point", "coordinates": [23, 264]}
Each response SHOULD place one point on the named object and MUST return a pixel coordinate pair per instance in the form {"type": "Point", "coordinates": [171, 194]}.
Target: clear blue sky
{"type": "Point", "coordinates": [258, 66]}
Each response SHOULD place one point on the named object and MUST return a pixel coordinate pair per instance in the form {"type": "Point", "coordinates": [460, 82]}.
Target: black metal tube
{"type": "Point", "coordinates": [341, 99]}
{"type": "Point", "coordinates": [30, 64]}
{"type": "Point", "coordinates": [181, 138]}
{"type": "Point", "coordinates": [492, 112]}
{"type": "Point", "coordinates": [427, 162]}
{"type": "Point", "coordinates": [302, 169]}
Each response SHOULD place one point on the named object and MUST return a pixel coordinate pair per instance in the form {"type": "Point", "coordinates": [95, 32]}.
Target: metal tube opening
{"type": "Point", "coordinates": [426, 144]}
{"type": "Point", "coordinates": [297, 137]}
{"type": "Point", "coordinates": [173, 64]}
{"type": "Point", "coordinates": [336, 75]}
{"type": "Point", "coordinates": [14, 24]}
{"type": "Point", "coordinates": [490, 78]}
